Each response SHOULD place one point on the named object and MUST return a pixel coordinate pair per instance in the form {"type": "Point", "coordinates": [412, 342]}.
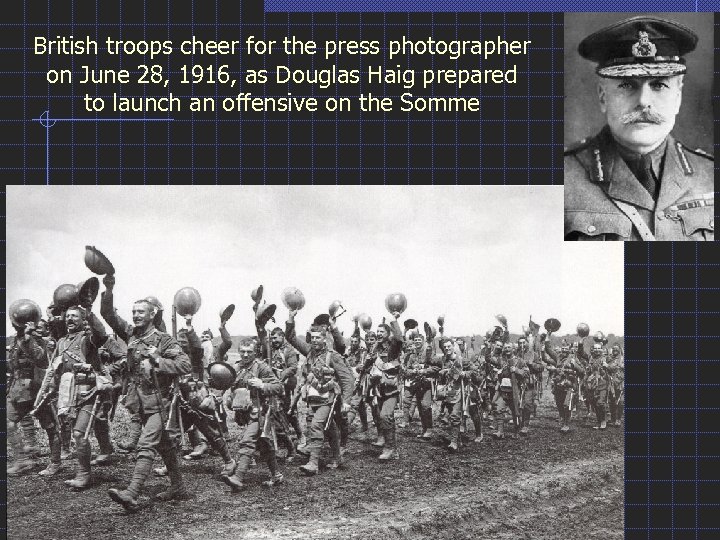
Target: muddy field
{"type": "Point", "coordinates": [548, 485]}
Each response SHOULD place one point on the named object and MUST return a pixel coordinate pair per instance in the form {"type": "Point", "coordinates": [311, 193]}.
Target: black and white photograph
{"type": "Point", "coordinates": [639, 161]}
{"type": "Point", "coordinates": [310, 362]}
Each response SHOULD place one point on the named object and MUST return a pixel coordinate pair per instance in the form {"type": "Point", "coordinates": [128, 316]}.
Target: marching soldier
{"type": "Point", "coordinates": [329, 382]}
{"type": "Point", "coordinates": [530, 396]}
{"type": "Point", "coordinates": [84, 392]}
{"type": "Point", "coordinates": [109, 313]}
{"type": "Point", "coordinates": [566, 370]}
{"type": "Point", "coordinates": [384, 363]}
{"type": "Point", "coordinates": [254, 386]}
{"type": "Point", "coordinates": [284, 363]}
{"type": "Point", "coordinates": [26, 354]}
{"type": "Point", "coordinates": [458, 375]}
{"type": "Point", "coordinates": [154, 360]}
{"type": "Point", "coordinates": [597, 381]}
{"type": "Point", "coordinates": [421, 368]}
{"type": "Point", "coordinates": [512, 382]}
{"type": "Point", "coordinates": [113, 364]}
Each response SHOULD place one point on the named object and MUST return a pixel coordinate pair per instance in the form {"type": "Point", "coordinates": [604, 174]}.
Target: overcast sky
{"type": "Point", "coordinates": [468, 252]}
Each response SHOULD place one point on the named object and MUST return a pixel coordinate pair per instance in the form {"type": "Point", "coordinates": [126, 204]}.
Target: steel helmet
{"type": "Point", "coordinates": [187, 301]}
{"type": "Point", "coordinates": [65, 295]}
{"type": "Point", "coordinates": [96, 262]}
{"type": "Point", "coordinates": [222, 374]}
{"type": "Point", "coordinates": [396, 302]}
{"type": "Point", "coordinates": [293, 298]}
{"type": "Point", "coordinates": [365, 321]}
{"type": "Point", "coordinates": [583, 330]}
{"type": "Point", "coordinates": [23, 311]}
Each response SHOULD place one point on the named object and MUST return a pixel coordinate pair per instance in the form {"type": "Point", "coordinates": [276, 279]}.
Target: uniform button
{"type": "Point", "coordinates": [591, 228]}
{"type": "Point", "coordinates": [712, 223]}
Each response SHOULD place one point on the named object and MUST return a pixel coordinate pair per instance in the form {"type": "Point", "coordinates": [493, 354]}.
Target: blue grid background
{"type": "Point", "coordinates": [671, 435]}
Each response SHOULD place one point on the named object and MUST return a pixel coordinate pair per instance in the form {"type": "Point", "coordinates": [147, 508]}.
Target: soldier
{"type": "Point", "coordinates": [217, 354]}
{"type": "Point", "coordinates": [84, 392]}
{"type": "Point", "coordinates": [284, 363]}
{"type": "Point", "coordinates": [513, 379]}
{"type": "Point", "coordinates": [109, 313]}
{"type": "Point", "coordinates": [154, 360]}
{"type": "Point", "coordinates": [616, 370]}
{"type": "Point", "coordinates": [254, 385]}
{"type": "Point", "coordinates": [529, 393]}
{"type": "Point", "coordinates": [597, 381]}
{"type": "Point", "coordinates": [420, 369]}
{"type": "Point", "coordinates": [457, 375]}
{"type": "Point", "coordinates": [566, 371]}
{"type": "Point", "coordinates": [355, 357]}
{"type": "Point", "coordinates": [329, 382]}
{"type": "Point", "coordinates": [25, 355]}
{"type": "Point", "coordinates": [634, 180]}
{"type": "Point", "coordinates": [384, 364]}
{"type": "Point", "coordinates": [197, 406]}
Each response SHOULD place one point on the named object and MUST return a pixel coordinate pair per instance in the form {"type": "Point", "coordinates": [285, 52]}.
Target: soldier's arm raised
{"type": "Point", "coordinates": [225, 344]}
{"type": "Point", "coordinates": [338, 340]}
{"type": "Point", "coordinates": [110, 315]}
{"type": "Point", "coordinates": [292, 338]}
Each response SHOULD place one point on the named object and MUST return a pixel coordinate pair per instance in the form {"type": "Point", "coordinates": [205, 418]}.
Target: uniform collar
{"type": "Point", "coordinates": [620, 181]}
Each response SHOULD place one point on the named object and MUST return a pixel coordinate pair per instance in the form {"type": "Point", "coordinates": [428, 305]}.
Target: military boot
{"type": "Point", "coordinates": [500, 433]}
{"type": "Point", "coordinates": [565, 422]}
{"type": "Point", "coordinates": [23, 463]}
{"type": "Point", "coordinates": [276, 479]}
{"type": "Point", "coordinates": [177, 488]}
{"type": "Point", "coordinates": [525, 422]}
{"type": "Point", "coordinates": [380, 441]}
{"type": "Point", "coordinates": [477, 424]}
{"type": "Point", "coordinates": [102, 433]}
{"type": "Point", "coordinates": [82, 472]}
{"type": "Point", "coordinates": [66, 452]}
{"type": "Point", "coordinates": [390, 450]}
{"type": "Point", "coordinates": [52, 469]}
{"type": "Point", "coordinates": [235, 480]}
{"type": "Point", "coordinates": [128, 497]}
{"type": "Point", "coordinates": [311, 467]}
{"type": "Point", "coordinates": [55, 462]}
{"type": "Point", "coordinates": [199, 446]}
{"type": "Point", "coordinates": [229, 463]}
{"type": "Point", "coordinates": [29, 431]}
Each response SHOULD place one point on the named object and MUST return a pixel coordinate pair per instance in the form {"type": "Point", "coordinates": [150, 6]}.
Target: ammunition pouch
{"type": "Point", "coordinates": [66, 393]}
{"type": "Point", "coordinates": [242, 401]}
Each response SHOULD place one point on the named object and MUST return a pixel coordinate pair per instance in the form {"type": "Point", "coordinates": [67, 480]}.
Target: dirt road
{"type": "Point", "coordinates": [546, 486]}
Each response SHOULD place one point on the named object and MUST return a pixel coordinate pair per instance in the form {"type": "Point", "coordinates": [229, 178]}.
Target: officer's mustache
{"type": "Point", "coordinates": [643, 115]}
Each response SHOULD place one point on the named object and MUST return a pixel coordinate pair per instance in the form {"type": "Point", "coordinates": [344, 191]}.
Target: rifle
{"type": "Point", "coordinates": [91, 422]}
{"type": "Point", "coordinates": [43, 395]}
{"type": "Point", "coordinates": [331, 413]}
{"type": "Point", "coordinates": [513, 380]}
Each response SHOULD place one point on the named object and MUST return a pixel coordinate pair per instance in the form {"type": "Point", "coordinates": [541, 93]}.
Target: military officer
{"type": "Point", "coordinates": [634, 180]}
{"type": "Point", "coordinates": [566, 371]}
{"type": "Point", "coordinates": [154, 360]}
{"type": "Point", "coordinates": [512, 383]}
{"type": "Point", "coordinates": [529, 394]}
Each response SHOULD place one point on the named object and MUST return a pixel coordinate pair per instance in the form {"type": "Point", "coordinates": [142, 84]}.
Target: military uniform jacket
{"type": "Point", "coordinates": [421, 367]}
{"type": "Point", "coordinates": [320, 361]}
{"type": "Point", "coordinates": [172, 362]}
{"type": "Point", "coordinates": [457, 373]}
{"type": "Point", "coordinates": [23, 358]}
{"type": "Point", "coordinates": [596, 176]}
{"type": "Point", "coordinates": [568, 370]}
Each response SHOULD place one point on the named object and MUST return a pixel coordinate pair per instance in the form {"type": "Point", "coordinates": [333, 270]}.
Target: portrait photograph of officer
{"type": "Point", "coordinates": [638, 159]}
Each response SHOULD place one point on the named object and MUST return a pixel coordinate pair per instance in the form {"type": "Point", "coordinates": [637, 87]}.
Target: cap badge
{"type": "Point", "coordinates": [644, 47]}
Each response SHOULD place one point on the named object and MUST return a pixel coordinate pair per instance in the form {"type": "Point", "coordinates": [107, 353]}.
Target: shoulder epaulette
{"type": "Point", "coordinates": [577, 146]}
{"type": "Point", "coordinates": [700, 152]}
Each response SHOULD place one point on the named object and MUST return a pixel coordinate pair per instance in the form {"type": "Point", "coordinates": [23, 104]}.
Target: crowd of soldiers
{"type": "Point", "coordinates": [69, 374]}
